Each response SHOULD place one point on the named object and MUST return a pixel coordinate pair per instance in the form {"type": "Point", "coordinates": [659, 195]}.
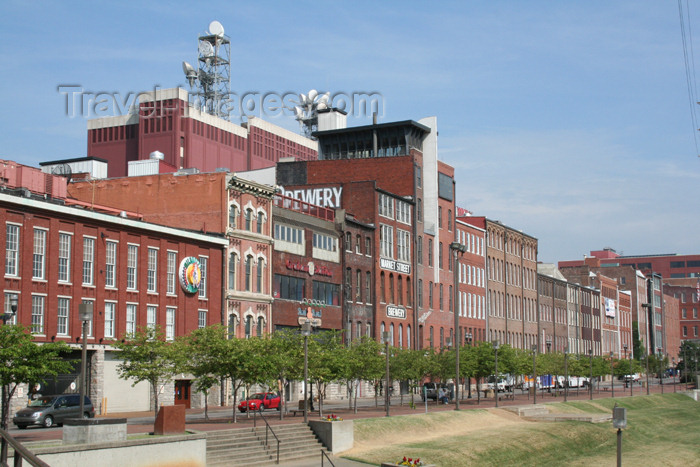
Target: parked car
{"type": "Point", "coordinates": [48, 411]}
{"type": "Point", "coordinates": [630, 378]}
{"type": "Point", "coordinates": [505, 383]}
{"type": "Point", "coordinates": [260, 401]}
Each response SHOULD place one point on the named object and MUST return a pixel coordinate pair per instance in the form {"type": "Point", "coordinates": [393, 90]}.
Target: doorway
{"type": "Point", "coordinates": [182, 392]}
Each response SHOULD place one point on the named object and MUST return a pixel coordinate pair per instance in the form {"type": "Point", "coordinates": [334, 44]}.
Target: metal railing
{"type": "Point", "coordinates": [323, 454]}
{"type": "Point", "coordinates": [21, 453]}
{"type": "Point", "coordinates": [268, 429]}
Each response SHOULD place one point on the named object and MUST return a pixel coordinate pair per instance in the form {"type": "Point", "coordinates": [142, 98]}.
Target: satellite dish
{"type": "Point", "coordinates": [190, 73]}
{"type": "Point", "coordinates": [187, 68]}
{"type": "Point", "coordinates": [321, 106]}
{"type": "Point", "coordinates": [62, 170]}
{"type": "Point", "coordinates": [303, 99]}
{"type": "Point", "coordinates": [206, 49]}
{"type": "Point", "coordinates": [312, 95]}
{"type": "Point", "coordinates": [216, 29]}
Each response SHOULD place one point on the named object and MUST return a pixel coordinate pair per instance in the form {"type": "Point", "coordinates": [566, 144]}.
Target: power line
{"type": "Point", "coordinates": [689, 69]}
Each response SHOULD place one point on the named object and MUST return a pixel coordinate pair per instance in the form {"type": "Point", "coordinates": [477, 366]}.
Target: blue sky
{"type": "Point", "coordinates": [570, 120]}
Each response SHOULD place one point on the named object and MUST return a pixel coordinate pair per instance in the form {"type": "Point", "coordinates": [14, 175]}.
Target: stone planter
{"type": "Point", "coordinates": [335, 436]}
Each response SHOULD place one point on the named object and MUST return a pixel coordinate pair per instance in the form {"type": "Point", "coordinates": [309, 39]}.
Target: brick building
{"type": "Point", "coordinates": [552, 300]}
{"type": "Point", "coordinates": [687, 292]}
{"type": "Point", "coordinates": [472, 282]}
{"type": "Point", "coordinates": [666, 265]}
{"type": "Point", "coordinates": [59, 255]}
{"type": "Point", "coordinates": [165, 121]}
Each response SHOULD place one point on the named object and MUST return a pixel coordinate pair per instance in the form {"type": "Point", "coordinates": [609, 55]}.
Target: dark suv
{"type": "Point", "coordinates": [48, 411]}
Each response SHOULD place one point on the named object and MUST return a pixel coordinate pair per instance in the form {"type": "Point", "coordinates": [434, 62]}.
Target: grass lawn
{"type": "Point", "coordinates": [662, 430]}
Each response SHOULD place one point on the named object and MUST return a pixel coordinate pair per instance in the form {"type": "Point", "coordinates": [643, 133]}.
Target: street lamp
{"type": "Point", "coordinates": [456, 247]}
{"type": "Point", "coordinates": [566, 373]}
{"type": "Point", "coordinates": [385, 338]}
{"type": "Point", "coordinates": [534, 374]}
{"type": "Point", "coordinates": [495, 384]}
{"type": "Point", "coordinates": [673, 362]}
{"type": "Point", "coordinates": [619, 422]}
{"type": "Point", "coordinates": [631, 378]}
{"type": "Point", "coordinates": [468, 339]}
{"type": "Point", "coordinates": [612, 372]}
{"type": "Point", "coordinates": [590, 381]}
{"type": "Point", "coordinates": [659, 355]}
{"type": "Point", "coordinates": [685, 366]}
{"type": "Point", "coordinates": [306, 331]}
{"type": "Point", "coordinates": [85, 312]}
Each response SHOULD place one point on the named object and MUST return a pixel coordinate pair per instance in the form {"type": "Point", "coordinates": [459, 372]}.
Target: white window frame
{"type": "Point", "coordinates": [152, 273]}
{"type": "Point", "coordinates": [386, 241]}
{"type": "Point", "coordinates": [88, 260]}
{"type": "Point", "coordinates": [39, 254]}
{"type": "Point", "coordinates": [403, 212]}
{"type": "Point", "coordinates": [12, 236]}
{"type": "Point", "coordinates": [111, 249]}
{"type": "Point", "coordinates": [403, 245]}
{"type": "Point", "coordinates": [65, 245]}
{"type": "Point", "coordinates": [151, 316]}
{"type": "Point", "coordinates": [131, 311]}
{"type": "Point", "coordinates": [63, 316]}
{"type": "Point", "coordinates": [169, 323]}
{"type": "Point", "coordinates": [202, 319]}
{"type": "Point", "coordinates": [38, 313]}
{"type": "Point", "coordinates": [132, 262]}
{"type": "Point", "coordinates": [386, 206]}
{"type": "Point", "coordinates": [171, 273]}
{"type": "Point", "coordinates": [203, 264]}
{"type": "Point", "coordinates": [110, 313]}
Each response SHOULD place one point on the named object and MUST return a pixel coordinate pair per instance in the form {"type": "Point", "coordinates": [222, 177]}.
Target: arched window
{"type": "Point", "coordinates": [232, 322]}
{"type": "Point", "coordinates": [399, 291]}
{"type": "Point", "coordinates": [248, 326]}
{"type": "Point", "coordinates": [233, 216]}
{"type": "Point", "coordinates": [261, 220]}
{"type": "Point", "coordinates": [442, 338]}
{"type": "Point", "coordinates": [408, 336]}
{"type": "Point", "coordinates": [259, 281]}
{"type": "Point", "coordinates": [431, 337]}
{"type": "Point", "coordinates": [382, 287]}
{"type": "Point", "coordinates": [232, 267]}
{"type": "Point", "coordinates": [409, 293]}
{"type": "Point", "coordinates": [391, 334]}
{"type": "Point", "coordinates": [358, 244]}
{"type": "Point", "coordinates": [400, 335]}
{"type": "Point", "coordinates": [261, 326]}
{"type": "Point", "coordinates": [248, 272]}
{"type": "Point", "coordinates": [248, 219]}
{"type": "Point", "coordinates": [391, 288]}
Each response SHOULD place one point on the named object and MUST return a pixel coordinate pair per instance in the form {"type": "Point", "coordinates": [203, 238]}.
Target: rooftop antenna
{"type": "Point", "coordinates": [306, 110]}
{"type": "Point", "coordinates": [211, 81]}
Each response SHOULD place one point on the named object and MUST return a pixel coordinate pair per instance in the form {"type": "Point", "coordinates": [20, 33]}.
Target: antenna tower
{"type": "Point", "coordinates": [211, 81]}
{"type": "Point", "coordinates": [306, 110]}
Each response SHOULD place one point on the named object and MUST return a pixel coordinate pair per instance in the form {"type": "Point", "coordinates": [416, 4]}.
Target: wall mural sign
{"type": "Point", "coordinates": [324, 197]}
{"type": "Point", "coordinates": [309, 267]}
{"type": "Point", "coordinates": [398, 312]}
{"type": "Point", "coordinates": [190, 274]}
{"type": "Point", "coordinates": [392, 265]}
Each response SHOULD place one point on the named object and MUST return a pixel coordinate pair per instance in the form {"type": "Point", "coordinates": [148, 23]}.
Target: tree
{"type": "Point", "coordinates": [365, 362]}
{"type": "Point", "coordinates": [286, 356]}
{"type": "Point", "coordinates": [24, 361]}
{"type": "Point", "coordinates": [325, 362]}
{"type": "Point", "coordinates": [409, 365]}
{"type": "Point", "coordinates": [147, 356]}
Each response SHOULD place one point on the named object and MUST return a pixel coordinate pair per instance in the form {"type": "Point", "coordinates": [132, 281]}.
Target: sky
{"type": "Point", "coordinates": [571, 121]}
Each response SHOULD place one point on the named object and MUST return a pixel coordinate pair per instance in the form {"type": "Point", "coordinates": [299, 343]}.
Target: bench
{"type": "Point", "coordinates": [300, 409]}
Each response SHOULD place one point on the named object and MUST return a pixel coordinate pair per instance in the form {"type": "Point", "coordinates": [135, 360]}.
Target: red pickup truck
{"type": "Point", "coordinates": [260, 401]}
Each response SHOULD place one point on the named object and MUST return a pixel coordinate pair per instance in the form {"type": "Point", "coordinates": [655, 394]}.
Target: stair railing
{"type": "Point", "coordinates": [21, 452]}
{"type": "Point", "coordinates": [268, 429]}
{"type": "Point", "coordinates": [323, 454]}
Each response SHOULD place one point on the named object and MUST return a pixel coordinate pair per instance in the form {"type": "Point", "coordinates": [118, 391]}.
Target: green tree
{"type": "Point", "coordinates": [286, 357]}
{"type": "Point", "coordinates": [326, 364]}
{"type": "Point", "coordinates": [409, 365]}
{"type": "Point", "coordinates": [147, 356]}
{"type": "Point", "coordinates": [24, 361]}
{"type": "Point", "coordinates": [365, 362]}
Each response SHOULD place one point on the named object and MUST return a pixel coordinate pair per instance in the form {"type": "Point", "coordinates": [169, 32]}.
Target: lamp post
{"type": "Point", "coordinates": [456, 247]}
{"type": "Point", "coordinates": [685, 367]}
{"type": "Point", "coordinates": [85, 312]}
{"type": "Point", "coordinates": [566, 373]}
{"type": "Point", "coordinates": [385, 338]}
{"type": "Point", "coordinates": [3, 444]}
{"type": "Point", "coordinates": [468, 338]}
{"type": "Point", "coordinates": [534, 374]}
{"type": "Point", "coordinates": [660, 357]}
{"type": "Point", "coordinates": [631, 378]}
{"type": "Point", "coordinates": [306, 331]}
{"type": "Point", "coordinates": [619, 422]}
{"type": "Point", "coordinates": [647, 370]}
{"type": "Point", "coordinates": [590, 381]}
{"type": "Point", "coordinates": [612, 372]}
{"type": "Point", "coordinates": [673, 362]}
{"type": "Point", "coordinates": [495, 384]}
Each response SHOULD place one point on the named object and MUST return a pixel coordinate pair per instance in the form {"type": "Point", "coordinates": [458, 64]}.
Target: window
{"type": "Point", "coordinates": [391, 289]}
{"type": "Point", "coordinates": [202, 319]}
{"type": "Point", "coordinates": [420, 293]}
{"type": "Point", "coordinates": [409, 292]}
{"type": "Point", "coordinates": [326, 293]}
{"type": "Point", "coordinates": [260, 327]}
{"type": "Point", "coordinates": [348, 285]}
{"type": "Point", "coordinates": [408, 336]}
{"type": "Point", "coordinates": [439, 217]}
{"type": "Point", "coordinates": [232, 321]}
{"type": "Point", "coordinates": [232, 267]}
{"type": "Point", "coordinates": [248, 219]}
{"type": "Point", "coordinates": [440, 256]}
{"type": "Point", "coordinates": [324, 242]}
{"type": "Point", "coordinates": [38, 314]}
{"type": "Point", "coordinates": [441, 297]}
{"type": "Point", "coordinates": [88, 260]}
{"type": "Point", "coordinates": [677, 264]}
{"type": "Point", "coordinates": [171, 275]}
{"type": "Point", "coordinates": [152, 269]}
{"type": "Point", "coordinates": [169, 323]}
{"type": "Point", "coordinates": [12, 250]}
{"type": "Point", "coordinates": [382, 287]}
{"type": "Point", "coordinates": [288, 234]}
{"type": "Point", "coordinates": [419, 250]}
{"type": "Point", "coordinates": [403, 243]}
{"type": "Point", "coordinates": [358, 286]}
{"type": "Point", "coordinates": [684, 313]}
{"type": "Point", "coordinates": [386, 206]}
{"type": "Point", "coordinates": [203, 262]}
{"type": "Point", "coordinates": [261, 220]}
{"type": "Point", "coordinates": [248, 327]}
{"type": "Point", "coordinates": [368, 246]}
{"type": "Point", "coordinates": [386, 241]}
{"type": "Point", "coordinates": [39, 259]}
{"type": "Point", "coordinates": [419, 210]}
{"type": "Point", "coordinates": [111, 264]}
{"type": "Point", "coordinates": [8, 307]}
{"type": "Point", "coordinates": [130, 318]}
{"type": "Point", "coordinates": [399, 290]}
{"type": "Point", "coordinates": [368, 287]}
{"type": "Point", "coordinates": [109, 319]}
{"type": "Point", "coordinates": [431, 337]}
{"type": "Point", "coordinates": [419, 178]}
{"type": "Point", "coordinates": [449, 220]}
{"type": "Point", "coordinates": [348, 242]}
{"type": "Point", "coordinates": [259, 276]}
{"type": "Point", "coordinates": [248, 272]}
{"type": "Point", "coordinates": [131, 264]}
{"type": "Point", "coordinates": [151, 316]}
{"type": "Point", "coordinates": [64, 247]}
{"type": "Point", "coordinates": [288, 287]}
{"type": "Point", "coordinates": [358, 244]}
{"type": "Point", "coordinates": [403, 212]}
{"type": "Point", "coordinates": [430, 252]}
{"type": "Point", "coordinates": [430, 294]}
{"type": "Point", "coordinates": [232, 216]}
{"type": "Point", "coordinates": [62, 317]}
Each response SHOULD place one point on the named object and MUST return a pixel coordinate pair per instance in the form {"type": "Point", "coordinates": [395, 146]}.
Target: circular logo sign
{"type": "Point", "coordinates": [190, 274]}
